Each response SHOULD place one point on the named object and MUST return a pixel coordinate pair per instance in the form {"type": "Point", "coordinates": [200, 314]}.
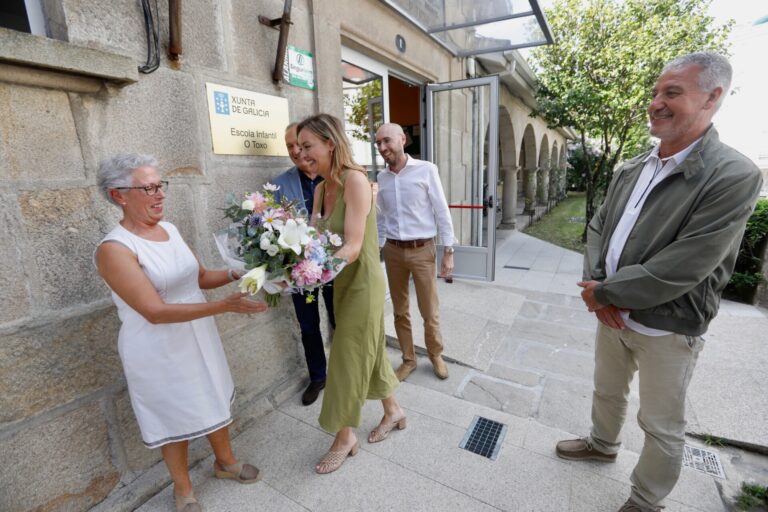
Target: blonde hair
{"type": "Point", "coordinates": [329, 128]}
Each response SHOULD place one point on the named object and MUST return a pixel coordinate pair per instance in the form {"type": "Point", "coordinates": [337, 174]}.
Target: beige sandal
{"type": "Point", "coordinates": [187, 503]}
{"type": "Point", "coordinates": [381, 432]}
{"type": "Point", "coordinates": [243, 473]}
{"type": "Point", "coordinates": [333, 460]}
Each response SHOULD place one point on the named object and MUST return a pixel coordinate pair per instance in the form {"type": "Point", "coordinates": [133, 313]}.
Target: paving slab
{"type": "Point", "coordinates": [473, 321]}
{"type": "Point", "coordinates": [547, 332]}
{"type": "Point", "coordinates": [517, 481]}
{"type": "Point", "coordinates": [730, 403]}
{"type": "Point", "coordinates": [557, 360]}
{"type": "Point", "coordinates": [502, 395]}
{"type": "Point", "coordinates": [424, 374]}
{"type": "Point", "coordinates": [591, 492]}
{"type": "Point", "coordinates": [515, 375]}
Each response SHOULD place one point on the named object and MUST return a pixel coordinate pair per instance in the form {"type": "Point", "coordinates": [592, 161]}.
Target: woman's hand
{"type": "Point", "coordinates": [239, 303]}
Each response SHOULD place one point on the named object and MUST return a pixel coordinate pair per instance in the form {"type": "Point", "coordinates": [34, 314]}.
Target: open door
{"type": "Point", "coordinates": [460, 117]}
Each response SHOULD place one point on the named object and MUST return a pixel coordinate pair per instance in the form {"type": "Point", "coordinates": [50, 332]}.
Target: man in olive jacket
{"type": "Point", "coordinates": [659, 252]}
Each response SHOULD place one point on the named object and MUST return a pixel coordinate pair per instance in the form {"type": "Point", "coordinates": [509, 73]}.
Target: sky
{"type": "Point", "coordinates": [743, 118]}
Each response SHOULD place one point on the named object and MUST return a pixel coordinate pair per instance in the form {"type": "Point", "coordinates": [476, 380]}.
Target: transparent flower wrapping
{"type": "Point", "coordinates": [276, 245]}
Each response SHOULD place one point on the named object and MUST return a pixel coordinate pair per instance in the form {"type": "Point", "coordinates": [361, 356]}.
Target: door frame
{"type": "Point", "coordinates": [473, 261]}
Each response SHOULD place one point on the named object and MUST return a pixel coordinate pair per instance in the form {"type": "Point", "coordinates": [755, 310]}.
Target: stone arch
{"type": "Point", "coordinates": [542, 174]}
{"type": "Point", "coordinates": [527, 162]}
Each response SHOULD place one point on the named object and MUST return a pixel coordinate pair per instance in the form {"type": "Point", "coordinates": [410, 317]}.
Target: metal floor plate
{"type": "Point", "coordinates": [484, 437]}
{"type": "Point", "coordinates": [703, 460]}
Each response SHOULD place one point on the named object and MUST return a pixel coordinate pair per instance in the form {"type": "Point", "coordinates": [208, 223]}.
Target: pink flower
{"type": "Point", "coordinates": [306, 272]}
{"type": "Point", "coordinates": [259, 202]}
{"type": "Point", "coordinates": [326, 276]}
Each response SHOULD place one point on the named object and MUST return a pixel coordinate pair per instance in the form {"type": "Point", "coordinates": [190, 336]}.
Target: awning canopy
{"type": "Point", "coordinates": [472, 27]}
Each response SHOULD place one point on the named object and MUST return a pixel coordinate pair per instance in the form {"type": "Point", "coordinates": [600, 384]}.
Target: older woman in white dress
{"type": "Point", "coordinates": [177, 373]}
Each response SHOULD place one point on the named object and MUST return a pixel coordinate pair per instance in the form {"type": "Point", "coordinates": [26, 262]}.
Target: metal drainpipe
{"type": "Point", "coordinates": [471, 65]}
{"type": "Point", "coordinates": [174, 28]}
{"type": "Point", "coordinates": [282, 43]}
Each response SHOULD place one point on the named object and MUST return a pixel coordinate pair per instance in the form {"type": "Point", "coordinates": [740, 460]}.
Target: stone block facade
{"type": "Point", "coordinates": [68, 435]}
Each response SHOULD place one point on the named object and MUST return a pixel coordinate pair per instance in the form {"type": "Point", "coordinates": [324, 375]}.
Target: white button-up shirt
{"type": "Point", "coordinates": [654, 172]}
{"type": "Point", "coordinates": [411, 204]}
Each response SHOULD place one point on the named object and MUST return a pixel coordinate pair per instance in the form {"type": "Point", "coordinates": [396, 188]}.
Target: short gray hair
{"type": "Point", "coordinates": [715, 72]}
{"type": "Point", "coordinates": [116, 171]}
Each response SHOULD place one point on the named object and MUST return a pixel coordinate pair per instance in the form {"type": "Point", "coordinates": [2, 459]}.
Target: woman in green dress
{"type": "Point", "coordinates": [358, 367]}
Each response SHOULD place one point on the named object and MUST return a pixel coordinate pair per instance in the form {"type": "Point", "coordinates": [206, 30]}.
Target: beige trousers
{"type": "Point", "coordinates": [402, 263]}
{"type": "Point", "coordinates": [665, 365]}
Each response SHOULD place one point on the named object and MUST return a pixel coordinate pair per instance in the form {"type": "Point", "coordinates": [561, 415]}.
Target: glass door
{"type": "Point", "coordinates": [461, 118]}
{"type": "Point", "coordinates": [363, 113]}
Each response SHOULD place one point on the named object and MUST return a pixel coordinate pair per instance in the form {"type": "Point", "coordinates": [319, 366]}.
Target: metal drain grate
{"type": "Point", "coordinates": [517, 268]}
{"type": "Point", "coordinates": [702, 460]}
{"type": "Point", "coordinates": [484, 437]}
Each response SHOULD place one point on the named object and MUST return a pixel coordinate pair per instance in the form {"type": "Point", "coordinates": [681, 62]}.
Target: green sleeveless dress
{"type": "Point", "coordinates": [358, 367]}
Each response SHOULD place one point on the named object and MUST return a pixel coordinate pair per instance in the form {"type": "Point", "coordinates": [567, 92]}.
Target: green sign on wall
{"type": "Point", "coordinates": [298, 69]}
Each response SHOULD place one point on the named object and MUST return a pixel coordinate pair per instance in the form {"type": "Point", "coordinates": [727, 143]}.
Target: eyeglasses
{"type": "Point", "coordinates": [150, 190]}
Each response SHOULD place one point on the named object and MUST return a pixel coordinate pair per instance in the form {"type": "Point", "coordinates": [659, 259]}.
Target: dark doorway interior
{"type": "Point", "coordinates": [404, 109]}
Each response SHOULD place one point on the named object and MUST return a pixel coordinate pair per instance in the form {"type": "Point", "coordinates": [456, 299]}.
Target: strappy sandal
{"type": "Point", "coordinates": [381, 432]}
{"type": "Point", "coordinates": [187, 503]}
{"type": "Point", "coordinates": [243, 473]}
{"type": "Point", "coordinates": [333, 460]}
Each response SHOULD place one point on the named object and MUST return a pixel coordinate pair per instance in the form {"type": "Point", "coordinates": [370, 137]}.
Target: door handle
{"type": "Point", "coordinates": [488, 203]}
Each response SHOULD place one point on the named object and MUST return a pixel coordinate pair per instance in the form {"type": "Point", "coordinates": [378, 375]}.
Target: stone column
{"type": "Point", "coordinates": [542, 190]}
{"type": "Point", "coordinates": [509, 205]}
{"type": "Point", "coordinates": [530, 189]}
{"type": "Point", "coordinates": [554, 182]}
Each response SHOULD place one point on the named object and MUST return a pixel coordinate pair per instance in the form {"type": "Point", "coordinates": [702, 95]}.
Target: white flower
{"type": "Point", "coordinates": [293, 236]}
{"type": "Point", "coordinates": [272, 249]}
{"type": "Point", "coordinates": [253, 280]}
{"type": "Point", "coordinates": [271, 222]}
{"type": "Point", "coordinates": [266, 241]}
{"type": "Point", "coordinates": [270, 187]}
{"type": "Point", "coordinates": [247, 205]}
{"type": "Point", "coordinates": [334, 239]}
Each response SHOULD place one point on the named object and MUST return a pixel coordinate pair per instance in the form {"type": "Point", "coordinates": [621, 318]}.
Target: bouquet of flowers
{"type": "Point", "coordinates": [274, 242]}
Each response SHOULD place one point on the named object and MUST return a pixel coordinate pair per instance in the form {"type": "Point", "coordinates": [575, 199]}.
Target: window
{"type": "Point", "coordinates": [23, 15]}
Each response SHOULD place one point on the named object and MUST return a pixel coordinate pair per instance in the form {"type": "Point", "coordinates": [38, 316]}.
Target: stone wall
{"type": "Point", "coordinates": [68, 436]}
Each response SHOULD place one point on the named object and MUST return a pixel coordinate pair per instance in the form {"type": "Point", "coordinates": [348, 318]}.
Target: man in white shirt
{"type": "Point", "coordinates": [412, 210]}
{"type": "Point", "coordinates": [659, 252]}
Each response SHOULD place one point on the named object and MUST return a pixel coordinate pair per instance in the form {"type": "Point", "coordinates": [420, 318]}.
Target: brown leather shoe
{"type": "Point", "coordinates": [405, 370]}
{"type": "Point", "coordinates": [439, 367]}
{"type": "Point", "coordinates": [582, 449]}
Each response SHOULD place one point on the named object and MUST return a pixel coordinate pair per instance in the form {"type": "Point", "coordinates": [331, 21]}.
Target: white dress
{"type": "Point", "coordinates": [178, 377]}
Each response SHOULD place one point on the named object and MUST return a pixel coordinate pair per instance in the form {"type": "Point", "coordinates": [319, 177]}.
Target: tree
{"type": "Point", "coordinates": [598, 76]}
{"type": "Point", "coordinates": [356, 104]}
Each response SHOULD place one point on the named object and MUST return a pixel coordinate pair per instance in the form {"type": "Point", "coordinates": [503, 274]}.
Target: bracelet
{"type": "Point", "coordinates": [231, 275]}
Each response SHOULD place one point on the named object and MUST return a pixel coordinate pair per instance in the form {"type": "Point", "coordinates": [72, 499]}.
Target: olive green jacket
{"type": "Point", "coordinates": [682, 250]}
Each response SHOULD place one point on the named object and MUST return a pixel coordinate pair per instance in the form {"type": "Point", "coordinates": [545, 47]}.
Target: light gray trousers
{"type": "Point", "coordinates": [665, 365]}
